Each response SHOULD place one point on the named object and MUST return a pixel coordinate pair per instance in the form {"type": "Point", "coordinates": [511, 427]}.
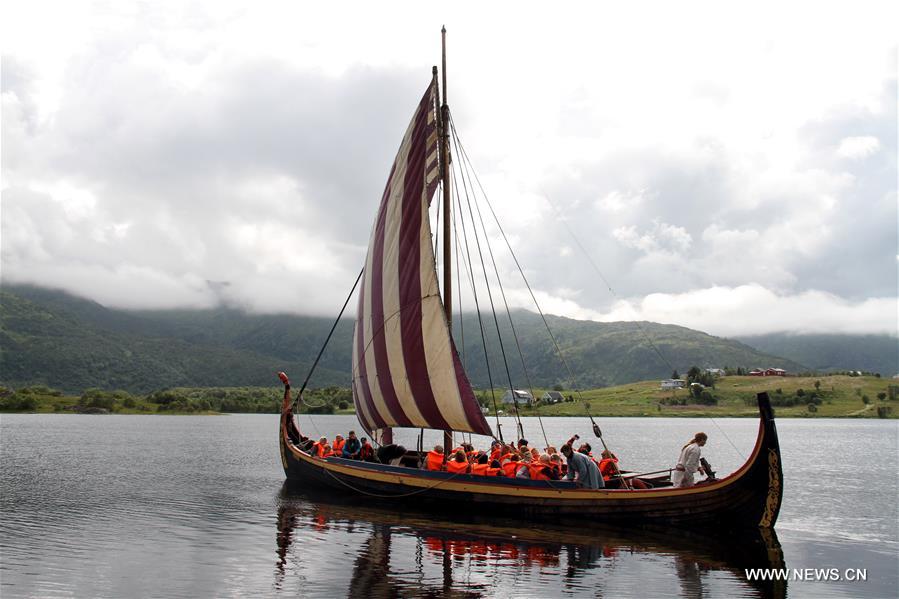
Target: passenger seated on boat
{"type": "Point", "coordinates": [482, 465]}
{"type": "Point", "coordinates": [524, 470]}
{"type": "Point", "coordinates": [608, 464]}
{"type": "Point", "coordinates": [608, 467]}
{"type": "Point", "coordinates": [523, 445]}
{"type": "Point", "coordinates": [351, 447]}
{"type": "Point", "coordinates": [495, 469]}
{"type": "Point", "coordinates": [555, 462]}
{"type": "Point", "coordinates": [496, 450]}
{"type": "Point", "coordinates": [366, 451]}
{"type": "Point", "coordinates": [458, 465]}
{"type": "Point", "coordinates": [317, 446]}
{"type": "Point", "coordinates": [338, 444]}
{"type": "Point", "coordinates": [510, 468]}
{"type": "Point", "coordinates": [326, 451]}
{"type": "Point", "coordinates": [434, 460]}
{"type": "Point", "coordinates": [541, 469]}
{"type": "Point", "coordinates": [582, 469]}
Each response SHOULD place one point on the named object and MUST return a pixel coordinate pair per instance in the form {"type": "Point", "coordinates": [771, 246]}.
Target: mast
{"type": "Point", "coordinates": [447, 246]}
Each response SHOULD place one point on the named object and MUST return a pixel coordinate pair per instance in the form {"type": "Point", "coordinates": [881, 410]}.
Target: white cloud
{"type": "Point", "coordinates": [150, 149]}
{"type": "Point", "coordinates": [858, 147]}
{"type": "Point", "coordinates": [661, 237]}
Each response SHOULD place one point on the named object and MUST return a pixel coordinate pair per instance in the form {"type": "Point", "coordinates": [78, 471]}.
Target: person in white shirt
{"type": "Point", "coordinates": [688, 462]}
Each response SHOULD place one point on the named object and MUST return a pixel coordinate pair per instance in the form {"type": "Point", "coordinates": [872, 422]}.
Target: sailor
{"type": "Point", "coordinates": [583, 467]}
{"type": "Point", "coordinates": [435, 458]}
{"type": "Point", "coordinates": [351, 447]}
{"type": "Point", "coordinates": [688, 461]}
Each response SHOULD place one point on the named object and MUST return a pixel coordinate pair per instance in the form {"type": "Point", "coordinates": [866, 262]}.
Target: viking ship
{"type": "Point", "coordinates": [407, 372]}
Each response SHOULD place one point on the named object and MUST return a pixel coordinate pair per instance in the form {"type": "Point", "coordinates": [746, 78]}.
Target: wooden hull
{"type": "Point", "coordinates": [750, 497]}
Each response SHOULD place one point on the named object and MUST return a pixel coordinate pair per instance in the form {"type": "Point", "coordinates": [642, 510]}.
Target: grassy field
{"type": "Point", "coordinates": [839, 396]}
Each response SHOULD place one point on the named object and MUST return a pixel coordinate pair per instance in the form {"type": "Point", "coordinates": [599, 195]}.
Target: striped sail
{"type": "Point", "coordinates": [406, 371]}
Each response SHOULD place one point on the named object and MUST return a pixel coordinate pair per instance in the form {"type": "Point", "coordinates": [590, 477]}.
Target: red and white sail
{"type": "Point", "coordinates": [406, 371]}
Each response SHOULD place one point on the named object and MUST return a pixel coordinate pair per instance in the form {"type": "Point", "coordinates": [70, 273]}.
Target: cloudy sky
{"type": "Point", "coordinates": [731, 169]}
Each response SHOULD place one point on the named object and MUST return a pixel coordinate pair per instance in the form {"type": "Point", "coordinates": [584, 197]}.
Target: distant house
{"type": "Point", "coordinates": [768, 372]}
{"type": "Point", "coordinates": [715, 371]}
{"type": "Point", "coordinates": [521, 396]}
{"type": "Point", "coordinates": [551, 397]}
{"type": "Point", "coordinates": [673, 384]}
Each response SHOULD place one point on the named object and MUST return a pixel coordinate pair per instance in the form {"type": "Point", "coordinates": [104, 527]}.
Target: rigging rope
{"type": "Point", "coordinates": [636, 322]}
{"type": "Point", "coordinates": [492, 307]}
{"type": "Point", "coordinates": [480, 320]}
{"type": "Point", "coordinates": [325, 344]}
{"type": "Point", "coordinates": [468, 168]}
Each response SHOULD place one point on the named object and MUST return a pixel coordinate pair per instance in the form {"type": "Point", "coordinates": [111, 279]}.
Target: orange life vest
{"type": "Point", "coordinates": [494, 455]}
{"type": "Point", "coordinates": [607, 467]}
{"type": "Point", "coordinates": [316, 449]}
{"type": "Point", "coordinates": [329, 454]}
{"type": "Point", "coordinates": [435, 461]}
{"type": "Point", "coordinates": [510, 468]}
{"type": "Point", "coordinates": [366, 451]}
{"type": "Point", "coordinates": [494, 471]}
{"type": "Point", "coordinates": [457, 467]}
{"type": "Point", "coordinates": [480, 469]}
{"type": "Point", "coordinates": [541, 472]}
{"type": "Point", "coordinates": [338, 445]}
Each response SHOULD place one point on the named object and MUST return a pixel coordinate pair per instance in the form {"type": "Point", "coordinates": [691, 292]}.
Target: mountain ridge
{"type": "Point", "coordinates": [51, 337]}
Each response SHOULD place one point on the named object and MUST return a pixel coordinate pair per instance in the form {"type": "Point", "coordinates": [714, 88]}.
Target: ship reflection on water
{"type": "Point", "coordinates": [328, 547]}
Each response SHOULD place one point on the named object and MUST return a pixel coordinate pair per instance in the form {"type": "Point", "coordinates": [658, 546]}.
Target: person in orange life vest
{"type": "Point", "coordinates": [339, 442]}
{"type": "Point", "coordinates": [317, 447]}
{"type": "Point", "coordinates": [482, 465]}
{"type": "Point", "coordinates": [524, 470]}
{"type": "Point", "coordinates": [555, 462]}
{"type": "Point", "coordinates": [608, 465]}
{"type": "Point", "coordinates": [542, 469]}
{"type": "Point", "coordinates": [366, 451]}
{"type": "Point", "coordinates": [511, 467]}
{"type": "Point", "coordinates": [495, 469]}
{"type": "Point", "coordinates": [496, 449]}
{"type": "Point", "coordinates": [458, 465]}
{"type": "Point", "coordinates": [327, 452]}
{"type": "Point", "coordinates": [523, 445]}
{"type": "Point", "coordinates": [434, 460]}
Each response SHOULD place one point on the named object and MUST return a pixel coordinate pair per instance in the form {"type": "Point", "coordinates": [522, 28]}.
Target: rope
{"type": "Point", "coordinates": [467, 164]}
{"type": "Point", "coordinates": [370, 494]}
{"type": "Point", "coordinates": [492, 307]}
{"type": "Point", "coordinates": [642, 330]}
{"type": "Point", "coordinates": [322, 350]}
{"type": "Point", "coordinates": [477, 307]}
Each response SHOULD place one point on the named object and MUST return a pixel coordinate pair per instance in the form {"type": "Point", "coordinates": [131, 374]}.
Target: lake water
{"type": "Point", "coordinates": [169, 506]}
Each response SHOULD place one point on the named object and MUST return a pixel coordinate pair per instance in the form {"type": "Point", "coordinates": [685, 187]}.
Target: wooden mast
{"type": "Point", "coordinates": [447, 245]}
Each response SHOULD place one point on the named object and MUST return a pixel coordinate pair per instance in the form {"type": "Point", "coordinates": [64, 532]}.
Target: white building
{"type": "Point", "coordinates": [551, 397]}
{"type": "Point", "coordinates": [523, 397]}
{"type": "Point", "coordinates": [673, 384]}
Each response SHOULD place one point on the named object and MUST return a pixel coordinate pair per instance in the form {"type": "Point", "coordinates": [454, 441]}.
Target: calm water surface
{"type": "Point", "coordinates": [168, 506]}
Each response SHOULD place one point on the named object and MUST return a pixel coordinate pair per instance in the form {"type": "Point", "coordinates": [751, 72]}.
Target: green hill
{"type": "Point", "coordinates": [867, 353]}
{"type": "Point", "coordinates": [51, 338]}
